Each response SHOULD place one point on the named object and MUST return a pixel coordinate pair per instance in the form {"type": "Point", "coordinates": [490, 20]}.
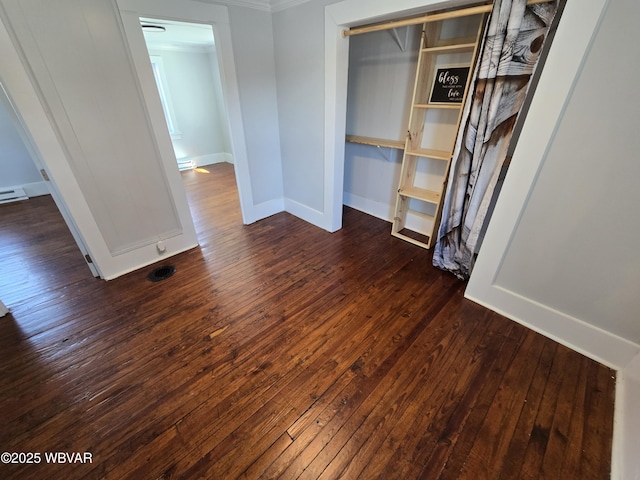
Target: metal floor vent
{"type": "Point", "coordinates": [161, 273]}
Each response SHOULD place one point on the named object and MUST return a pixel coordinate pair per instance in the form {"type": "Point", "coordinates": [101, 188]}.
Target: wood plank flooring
{"type": "Point", "coordinates": [278, 350]}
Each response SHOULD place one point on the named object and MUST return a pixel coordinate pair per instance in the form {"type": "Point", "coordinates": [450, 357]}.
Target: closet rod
{"type": "Point", "coordinates": [433, 17]}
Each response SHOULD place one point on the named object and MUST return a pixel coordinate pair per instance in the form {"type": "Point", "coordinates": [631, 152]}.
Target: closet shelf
{"type": "Point", "coordinates": [418, 159]}
{"type": "Point", "coordinates": [459, 48]}
{"type": "Point", "coordinates": [408, 236]}
{"type": "Point", "coordinates": [429, 153]}
{"type": "Point", "coordinates": [376, 142]}
{"type": "Point", "coordinates": [442, 106]}
{"type": "Point", "coordinates": [429, 196]}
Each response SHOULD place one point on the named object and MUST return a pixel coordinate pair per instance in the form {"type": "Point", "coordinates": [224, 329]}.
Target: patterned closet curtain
{"type": "Point", "coordinates": [508, 56]}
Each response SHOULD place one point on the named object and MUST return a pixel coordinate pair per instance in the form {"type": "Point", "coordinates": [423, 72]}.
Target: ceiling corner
{"type": "Point", "coordinates": [278, 5]}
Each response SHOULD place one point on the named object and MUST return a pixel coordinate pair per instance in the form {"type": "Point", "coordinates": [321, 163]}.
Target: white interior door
{"type": "Point", "coordinates": [53, 190]}
{"type": "Point", "coordinates": [76, 87]}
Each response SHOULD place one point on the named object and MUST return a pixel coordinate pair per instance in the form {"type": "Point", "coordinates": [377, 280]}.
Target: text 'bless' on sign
{"type": "Point", "coordinates": [448, 85]}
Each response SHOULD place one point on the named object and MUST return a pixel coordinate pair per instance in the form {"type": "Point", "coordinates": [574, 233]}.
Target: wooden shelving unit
{"type": "Point", "coordinates": [415, 196]}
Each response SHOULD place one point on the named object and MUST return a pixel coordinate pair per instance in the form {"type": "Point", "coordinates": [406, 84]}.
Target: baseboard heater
{"type": "Point", "coordinates": [186, 164]}
{"type": "Point", "coordinates": [12, 195]}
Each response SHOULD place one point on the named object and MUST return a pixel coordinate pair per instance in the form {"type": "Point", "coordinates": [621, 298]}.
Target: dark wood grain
{"type": "Point", "coordinates": [279, 350]}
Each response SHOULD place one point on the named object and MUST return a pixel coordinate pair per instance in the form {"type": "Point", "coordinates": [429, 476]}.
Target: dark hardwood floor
{"type": "Point", "coordinates": [278, 350]}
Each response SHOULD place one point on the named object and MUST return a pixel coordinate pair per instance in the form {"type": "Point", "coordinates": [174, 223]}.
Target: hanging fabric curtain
{"type": "Point", "coordinates": [508, 56]}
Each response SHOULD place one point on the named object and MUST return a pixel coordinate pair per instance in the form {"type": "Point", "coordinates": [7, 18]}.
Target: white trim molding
{"type": "Point", "coordinates": [256, 4]}
{"type": "Point", "coordinates": [625, 463]}
{"type": "Point", "coordinates": [35, 189]}
{"type": "Point", "coordinates": [305, 212]}
{"type": "Point", "coordinates": [266, 209]}
{"type": "Point", "coordinates": [279, 5]}
{"type": "Point", "coordinates": [381, 210]}
{"type": "Point", "coordinates": [265, 5]}
{"type": "Point", "coordinates": [593, 342]}
{"type": "Point", "coordinates": [212, 158]}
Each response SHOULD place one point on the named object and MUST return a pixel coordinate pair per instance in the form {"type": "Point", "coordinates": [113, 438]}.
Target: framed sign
{"type": "Point", "coordinates": [449, 84]}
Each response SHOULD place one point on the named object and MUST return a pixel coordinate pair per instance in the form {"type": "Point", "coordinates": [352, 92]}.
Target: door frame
{"type": "Point", "coordinates": [217, 17]}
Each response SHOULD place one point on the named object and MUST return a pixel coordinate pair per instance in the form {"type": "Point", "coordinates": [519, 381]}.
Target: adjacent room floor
{"type": "Point", "coordinates": [278, 350]}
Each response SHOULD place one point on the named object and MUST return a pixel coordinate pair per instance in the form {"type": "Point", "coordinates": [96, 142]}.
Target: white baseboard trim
{"type": "Point", "coordinates": [377, 209]}
{"type": "Point", "coordinates": [3, 309]}
{"type": "Point", "coordinates": [36, 189]}
{"type": "Point", "coordinates": [212, 158]}
{"type": "Point", "coordinates": [148, 256]}
{"type": "Point", "coordinates": [308, 214]}
{"type": "Point", "coordinates": [625, 462]}
{"type": "Point", "coordinates": [591, 341]}
{"type": "Point", "coordinates": [264, 210]}
{"type": "Point", "coordinates": [385, 211]}
{"type": "Point", "coordinates": [595, 343]}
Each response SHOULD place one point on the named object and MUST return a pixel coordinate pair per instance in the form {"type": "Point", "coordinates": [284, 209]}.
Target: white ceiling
{"type": "Point", "coordinates": [189, 35]}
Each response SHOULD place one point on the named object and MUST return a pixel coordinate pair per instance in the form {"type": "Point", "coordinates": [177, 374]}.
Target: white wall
{"type": "Point", "coordinates": [582, 215]}
{"type": "Point", "coordinates": [88, 89]}
{"type": "Point", "coordinates": [298, 39]}
{"type": "Point", "coordinates": [381, 80]}
{"type": "Point", "coordinates": [371, 177]}
{"type": "Point", "coordinates": [197, 103]}
{"type": "Point", "coordinates": [16, 166]}
{"type": "Point", "coordinates": [252, 35]}
{"type": "Point", "coordinates": [246, 61]}
{"type": "Point", "coordinates": [222, 116]}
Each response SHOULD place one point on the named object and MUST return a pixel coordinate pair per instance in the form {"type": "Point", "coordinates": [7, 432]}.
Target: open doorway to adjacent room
{"type": "Point", "coordinates": [185, 67]}
{"type": "Point", "coordinates": [186, 70]}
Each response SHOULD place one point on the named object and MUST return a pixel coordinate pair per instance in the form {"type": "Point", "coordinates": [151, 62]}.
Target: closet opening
{"type": "Point", "coordinates": [406, 92]}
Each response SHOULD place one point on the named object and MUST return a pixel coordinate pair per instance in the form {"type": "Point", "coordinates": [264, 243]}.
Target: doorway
{"type": "Point", "coordinates": [22, 172]}
{"type": "Point", "coordinates": [184, 62]}
{"type": "Point", "coordinates": [185, 66]}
